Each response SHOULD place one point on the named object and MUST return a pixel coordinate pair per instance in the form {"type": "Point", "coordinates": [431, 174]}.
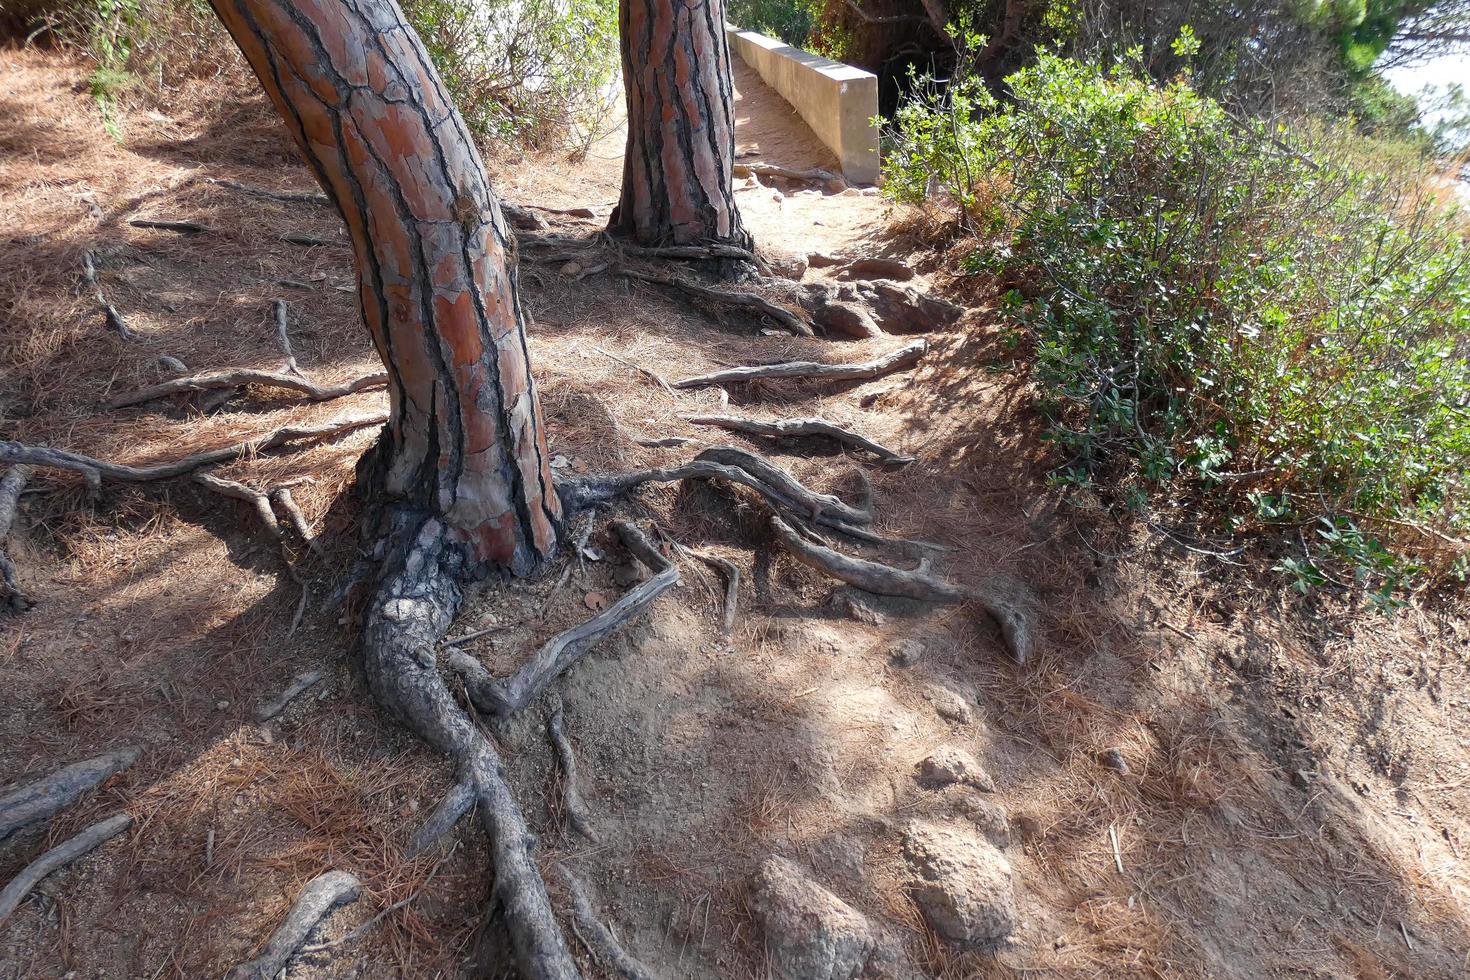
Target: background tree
{"type": "Point", "coordinates": [677, 171]}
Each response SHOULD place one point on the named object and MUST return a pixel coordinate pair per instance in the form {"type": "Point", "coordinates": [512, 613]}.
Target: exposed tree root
{"type": "Point", "coordinates": [417, 598]}
{"type": "Point", "coordinates": [456, 803]}
{"type": "Point", "coordinates": [504, 698]}
{"type": "Point", "coordinates": [731, 572]}
{"type": "Point", "coordinates": [800, 427]}
{"type": "Point", "coordinates": [239, 491]}
{"type": "Point", "coordinates": [321, 895]}
{"type": "Point", "coordinates": [740, 300]}
{"type": "Point", "coordinates": [1005, 599]}
{"type": "Point", "coordinates": [829, 180]}
{"type": "Point", "coordinates": [96, 469]}
{"type": "Point", "coordinates": [110, 314]}
{"type": "Point", "coordinates": [897, 360]}
{"type": "Point", "coordinates": [281, 497]}
{"type": "Point", "coordinates": [598, 938]}
{"type": "Point", "coordinates": [299, 197]}
{"type": "Point", "coordinates": [876, 268]}
{"type": "Point", "coordinates": [59, 857]}
{"type": "Point", "coordinates": [312, 241]}
{"type": "Point", "coordinates": [11, 485]}
{"type": "Point", "coordinates": [298, 686]}
{"type": "Point", "coordinates": [48, 796]}
{"type": "Point", "coordinates": [222, 380]}
{"type": "Point", "coordinates": [522, 219]}
{"type": "Point", "coordinates": [159, 224]}
{"type": "Point", "coordinates": [571, 793]}
{"type": "Point", "coordinates": [283, 337]}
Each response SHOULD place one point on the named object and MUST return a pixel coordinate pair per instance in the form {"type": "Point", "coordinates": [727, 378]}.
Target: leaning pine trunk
{"type": "Point", "coordinates": [677, 181]}
{"type": "Point", "coordinates": [464, 444]}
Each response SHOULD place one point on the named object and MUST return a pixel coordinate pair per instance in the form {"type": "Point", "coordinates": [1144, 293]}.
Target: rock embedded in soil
{"type": "Point", "coordinates": [987, 816]}
{"type": "Point", "coordinates": [961, 883]}
{"type": "Point", "coordinates": [810, 933]}
{"type": "Point", "coordinates": [951, 765]}
{"type": "Point", "coordinates": [948, 705]}
{"type": "Point", "coordinates": [907, 653]}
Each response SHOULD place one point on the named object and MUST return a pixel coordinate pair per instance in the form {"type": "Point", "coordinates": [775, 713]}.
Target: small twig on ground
{"type": "Point", "coordinates": [11, 485]}
{"type": "Point", "coordinates": [504, 698]}
{"type": "Point", "coordinates": [800, 427]}
{"type": "Point", "coordinates": [653, 376]}
{"type": "Point", "coordinates": [312, 241]}
{"type": "Point", "coordinates": [95, 469]}
{"type": "Point", "coordinates": [110, 314]}
{"type": "Point", "coordinates": [229, 380]}
{"type": "Point", "coordinates": [159, 224]}
{"type": "Point", "coordinates": [320, 896]}
{"type": "Point", "coordinates": [731, 571]}
{"type": "Point", "coordinates": [49, 795]}
{"type": "Point", "coordinates": [599, 940]}
{"type": "Point", "coordinates": [576, 807]}
{"type": "Point", "coordinates": [59, 857]}
{"type": "Point", "coordinates": [298, 686]}
{"type": "Point", "coordinates": [897, 360]}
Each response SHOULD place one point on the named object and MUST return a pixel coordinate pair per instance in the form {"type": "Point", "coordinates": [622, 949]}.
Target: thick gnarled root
{"type": "Point", "coordinates": [49, 795]}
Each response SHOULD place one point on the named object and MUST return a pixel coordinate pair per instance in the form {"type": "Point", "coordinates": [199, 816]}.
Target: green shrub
{"type": "Point", "coordinates": [790, 20]}
{"type": "Point", "coordinates": [1282, 336]}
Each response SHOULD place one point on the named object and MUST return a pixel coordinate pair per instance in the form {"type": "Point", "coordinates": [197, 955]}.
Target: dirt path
{"type": "Point", "coordinates": [1296, 800]}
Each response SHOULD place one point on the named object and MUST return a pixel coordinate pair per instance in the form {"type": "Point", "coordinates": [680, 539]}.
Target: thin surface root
{"type": "Point", "coordinates": [576, 807]}
{"type": "Point", "coordinates": [110, 314]}
{"type": "Point", "coordinates": [740, 300]}
{"type": "Point", "coordinates": [11, 485]}
{"type": "Point", "coordinates": [59, 857]}
{"type": "Point", "coordinates": [229, 380]}
{"type": "Point", "coordinates": [299, 685]}
{"type": "Point", "coordinates": [456, 803]}
{"type": "Point", "coordinates": [779, 428]}
{"type": "Point", "coordinates": [48, 796]}
{"type": "Point", "coordinates": [281, 497]}
{"type": "Point", "coordinates": [239, 491]}
{"type": "Point", "coordinates": [896, 360]}
{"type": "Point", "coordinates": [505, 698]}
{"type": "Point", "coordinates": [598, 938]}
{"type": "Point", "coordinates": [321, 895]}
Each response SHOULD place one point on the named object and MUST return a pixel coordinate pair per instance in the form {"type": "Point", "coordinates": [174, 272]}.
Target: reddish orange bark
{"type": "Point", "coordinates": [677, 182]}
{"type": "Point", "coordinates": [374, 122]}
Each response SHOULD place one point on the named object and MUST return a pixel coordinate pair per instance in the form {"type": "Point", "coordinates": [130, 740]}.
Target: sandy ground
{"type": "Point", "coordinates": [1297, 793]}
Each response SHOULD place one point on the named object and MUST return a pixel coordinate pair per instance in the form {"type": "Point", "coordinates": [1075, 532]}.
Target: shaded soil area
{"type": "Point", "coordinates": [1294, 793]}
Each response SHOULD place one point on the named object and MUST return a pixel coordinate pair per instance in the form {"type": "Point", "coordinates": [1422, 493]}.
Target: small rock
{"type": "Point", "coordinates": [777, 196]}
{"type": "Point", "coordinates": [222, 705]}
{"type": "Point", "coordinates": [571, 268]}
{"type": "Point", "coordinates": [907, 653]}
{"type": "Point", "coordinates": [820, 260]}
{"type": "Point", "coordinates": [811, 934]}
{"type": "Point", "coordinates": [172, 364]}
{"type": "Point", "coordinates": [1113, 759]}
{"type": "Point", "coordinates": [948, 705]}
{"type": "Point", "coordinates": [989, 817]}
{"type": "Point", "coordinates": [850, 192]}
{"type": "Point", "coordinates": [961, 883]}
{"type": "Point", "coordinates": [950, 765]}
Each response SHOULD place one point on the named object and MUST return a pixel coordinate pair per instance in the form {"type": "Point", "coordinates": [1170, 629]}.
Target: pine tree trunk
{"type": "Point", "coordinates": [677, 184]}
{"type": "Point", "coordinates": [436, 272]}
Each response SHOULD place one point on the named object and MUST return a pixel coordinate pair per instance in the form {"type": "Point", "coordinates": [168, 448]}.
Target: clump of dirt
{"type": "Point", "coordinates": [1195, 776]}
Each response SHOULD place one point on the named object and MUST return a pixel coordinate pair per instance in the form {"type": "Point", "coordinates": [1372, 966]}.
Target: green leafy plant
{"type": "Point", "coordinates": [1280, 332]}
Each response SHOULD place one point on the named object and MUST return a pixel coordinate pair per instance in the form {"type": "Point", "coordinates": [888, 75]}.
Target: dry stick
{"type": "Point", "coordinates": [283, 337]}
{"type": "Point", "coordinates": [456, 803]}
{"type": "Point", "coordinates": [1004, 599]}
{"type": "Point", "coordinates": [731, 571]}
{"type": "Point", "coordinates": [897, 360]}
{"type": "Point", "coordinates": [298, 686]}
{"type": "Point", "coordinates": [46, 797]}
{"type": "Point", "coordinates": [11, 485]}
{"type": "Point", "coordinates": [320, 896]}
{"type": "Point", "coordinates": [239, 491]}
{"type": "Point", "coordinates": [59, 857]}
{"type": "Point", "coordinates": [215, 380]}
{"type": "Point", "coordinates": [95, 469]}
{"type": "Point", "coordinates": [504, 698]}
{"type": "Point", "coordinates": [281, 497]}
{"type": "Point", "coordinates": [600, 941]}
{"type": "Point", "coordinates": [159, 224]}
{"type": "Point", "coordinates": [576, 808]}
{"type": "Point", "coordinates": [654, 376]}
{"type": "Point", "coordinates": [799, 427]}
{"type": "Point", "coordinates": [742, 300]}
{"type": "Point", "coordinates": [109, 313]}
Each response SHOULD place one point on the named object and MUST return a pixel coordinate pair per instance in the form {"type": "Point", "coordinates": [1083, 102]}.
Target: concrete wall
{"type": "Point", "coordinates": [837, 101]}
